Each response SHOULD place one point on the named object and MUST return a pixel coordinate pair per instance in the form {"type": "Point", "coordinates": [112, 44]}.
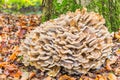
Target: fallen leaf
{"type": "Point", "coordinates": [111, 76]}
{"type": "Point", "coordinates": [108, 67]}
{"type": "Point", "coordinates": [117, 36]}
{"type": "Point", "coordinates": [16, 75]}
{"type": "Point", "coordinates": [118, 51]}
{"type": "Point", "coordinates": [3, 77]}
{"type": "Point", "coordinates": [1, 58]}
{"type": "Point", "coordinates": [100, 77]}
{"type": "Point", "coordinates": [11, 67]}
{"type": "Point", "coordinates": [31, 75]}
{"type": "Point", "coordinates": [111, 61]}
{"type": "Point", "coordinates": [54, 71]}
{"type": "Point", "coordinates": [21, 33]}
{"type": "Point", "coordinates": [12, 70]}
{"type": "Point", "coordinates": [117, 70]}
{"type": "Point", "coordinates": [66, 77]}
{"type": "Point", "coordinates": [14, 54]}
{"type": "Point", "coordinates": [85, 78]}
{"type": "Point", "coordinates": [12, 30]}
{"type": "Point", "coordinates": [2, 64]}
{"type": "Point", "coordinates": [80, 79]}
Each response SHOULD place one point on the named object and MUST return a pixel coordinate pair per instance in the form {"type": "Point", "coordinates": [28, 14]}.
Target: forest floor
{"type": "Point", "coordinates": [12, 31]}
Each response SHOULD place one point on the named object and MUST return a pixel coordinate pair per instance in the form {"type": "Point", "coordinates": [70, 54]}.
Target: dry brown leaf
{"type": "Point", "coordinates": [66, 77]}
{"type": "Point", "coordinates": [111, 61]}
{"type": "Point", "coordinates": [117, 36]}
{"type": "Point", "coordinates": [14, 54]}
{"type": "Point", "coordinates": [16, 75]}
{"type": "Point", "coordinates": [31, 75]}
{"type": "Point", "coordinates": [12, 70]}
{"type": "Point", "coordinates": [117, 70]}
{"type": "Point", "coordinates": [21, 33]}
{"type": "Point", "coordinates": [85, 78]}
{"type": "Point", "coordinates": [108, 67]}
{"type": "Point", "coordinates": [12, 29]}
{"type": "Point", "coordinates": [10, 67]}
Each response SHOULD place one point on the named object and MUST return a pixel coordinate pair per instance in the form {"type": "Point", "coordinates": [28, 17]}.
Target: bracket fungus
{"type": "Point", "coordinates": [76, 41]}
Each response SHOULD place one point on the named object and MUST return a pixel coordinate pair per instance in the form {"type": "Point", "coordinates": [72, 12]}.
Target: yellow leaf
{"type": "Point", "coordinates": [54, 71]}
{"type": "Point", "coordinates": [111, 76]}
{"type": "Point", "coordinates": [117, 36]}
{"type": "Point", "coordinates": [100, 77]}
{"type": "Point", "coordinates": [80, 79]}
{"type": "Point", "coordinates": [118, 51]}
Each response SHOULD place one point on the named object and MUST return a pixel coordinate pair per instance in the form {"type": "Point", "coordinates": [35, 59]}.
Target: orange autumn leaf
{"type": "Point", "coordinates": [108, 67]}
{"type": "Point", "coordinates": [12, 70]}
{"type": "Point", "coordinates": [111, 76]}
{"type": "Point", "coordinates": [100, 77]}
{"type": "Point", "coordinates": [32, 74]}
{"type": "Point", "coordinates": [12, 29]}
{"type": "Point", "coordinates": [11, 67]}
{"type": "Point", "coordinates": [16, 75]}
{"type": "Point", "coordinates": [117, 36]}
{"type": "Point", "coordinates": [111, 61]}
{"type": "Point", "coordinates": [118, 51]}
{"type": "Point", "coordinates": [85, 78]}
{"type": "Point", "coordinates": [2, 64]}
{"type": "Point", "coordinates": [14, 54]}
{"type": "Point", "coordinates": [66, 77]}
{"type": "Point", "coordinates": [1, 58]}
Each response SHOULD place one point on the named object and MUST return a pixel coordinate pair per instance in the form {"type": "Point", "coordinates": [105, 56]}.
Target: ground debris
{"type": "Point", "coordinates": [13, 29]}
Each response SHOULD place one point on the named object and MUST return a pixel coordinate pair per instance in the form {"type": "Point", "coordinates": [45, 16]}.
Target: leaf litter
{"type": "Point", "coordinates": [13, 29]}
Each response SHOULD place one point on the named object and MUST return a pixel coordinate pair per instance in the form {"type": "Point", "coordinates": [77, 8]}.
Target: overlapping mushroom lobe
{"type": "Point", "coordinates": [77, 41]}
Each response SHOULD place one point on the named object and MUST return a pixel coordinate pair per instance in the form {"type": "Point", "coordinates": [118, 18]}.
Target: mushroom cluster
{"type": "Point", "coordinates": [76, 41]}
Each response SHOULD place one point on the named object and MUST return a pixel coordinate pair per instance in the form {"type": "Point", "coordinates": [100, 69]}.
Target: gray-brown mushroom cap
{"type": "Point", "coordinates": [77, 41]}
